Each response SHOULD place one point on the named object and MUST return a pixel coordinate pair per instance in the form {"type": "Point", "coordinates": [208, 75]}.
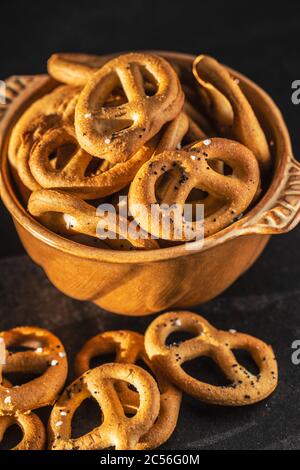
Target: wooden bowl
{"type": "Point", "coordinates": [139, 283]}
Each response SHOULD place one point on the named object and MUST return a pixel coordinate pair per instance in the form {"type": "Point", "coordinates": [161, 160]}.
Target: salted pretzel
{"type": "Point", "coordinates": [71, 174]}
{"type": "Point", "coordinates": [53, 111]}
{"type": "Point", "coordinates": [47, 358]}
{"type": "Point", "coordinates": [235, 191]}
{"type": "Point", "coordinates": [34, 435]}
{"type": "Point", "coordinates": [245, 389]}
{"type": "Point", "coordinates": [129, 348]}
{"type": "Point", "coordinates": [81, 217]}
{"type": "Point", "coordinates": [117, 133]}
{"type": "Point", "coordinates": [73, 68]}
{"type": "Point", "coordinates": [74, 176]}
{"type": "Point", "coordinates": [55, 103]}
{"type": "Point", "coordinates": [116, 430]}
{"type": "Point", "coordinates": [183, 131]}
{"type": "Point", "coordinates": [230, 108]}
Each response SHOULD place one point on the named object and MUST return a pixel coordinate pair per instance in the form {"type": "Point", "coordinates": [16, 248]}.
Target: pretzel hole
{"type": "Point", "coordinates": [21, 378]}
{"type": "Point", "coordinates": [113, 127]}
{"type": "Point", "coordinates": [60, 157]}
{"type": "Point", "coordinates": [205, 369]}
{"type": "Point", "coordinates": [101, 359]}
{"type": "Point", "coordinates": [228, 171]}
{"type": "Point", "coordinates": [219, 166]}
{"type": "Point", "coordinates": [150, 82]}
{"type": "Point", "coordinates": [26, 346]}
{"type": "Point", "coordinates": [94, 167]}
{"type": "Point", "coordinates": [116, 98]}
{"type": "Point", "coordinates": [86, 417]}
{"type": "Point", "coordinates": [245, 359]}
{"type": "Point", "coordinates": [131, 400]}
{"type": "Point", "coordinates": [178, 337]}
{"type": "Point", "coordinates": [165, 182]}
{"type": "Point", "coordinates": [196, 197]}
{"type": "Point", "coordinates": [13, 435]}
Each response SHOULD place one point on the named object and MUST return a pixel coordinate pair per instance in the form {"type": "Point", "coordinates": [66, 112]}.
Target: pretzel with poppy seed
{"type": "Point", "coordinates": [129, 348]}
{"type": "Point", "coordinates": [71, 175]}
{"type": "Point", "coordinates": [116, 429]}
{"type": "Point", "coordinates": [245, 388]}
{"type": "Point", "coordinates": [231, 194]}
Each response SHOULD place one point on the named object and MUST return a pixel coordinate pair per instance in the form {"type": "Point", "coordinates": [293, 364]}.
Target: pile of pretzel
{"type": "Point", "coordinates": [139, 409]}
{"type": "Point", "coordinates": [140, 126]}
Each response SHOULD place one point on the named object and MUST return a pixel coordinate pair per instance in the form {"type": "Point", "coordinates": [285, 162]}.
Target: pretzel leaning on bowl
{"type": "Point", "coordinates": [245, 387]}
{"type": "Point", "coordinates": [79, 217]}
{"type": "Point", "coordinates": [116, 429]}
{"type": "Point", "coordinates": [229, 108]}
{"type": "Point", "coordinates": [129, 348]}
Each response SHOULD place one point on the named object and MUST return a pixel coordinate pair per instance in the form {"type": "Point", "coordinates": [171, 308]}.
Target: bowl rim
{"type": "Point", "coordinates": [23, 218]}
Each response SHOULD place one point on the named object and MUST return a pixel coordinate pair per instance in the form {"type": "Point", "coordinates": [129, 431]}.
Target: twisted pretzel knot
{"type": "Point", "coordinates": [116, 133]}
{"type": "Point", "coordinates": [245, 389]}
{"type": "Point", "coordinates": [55, 110]}
{"type": "Point", "coordinates": [235, 191]}
{"type": "Point", "coordinates": [34, 436]}
{"type": "Point", "coordinates": [47, 359]}
{"type": "Point", "coordinates": [129, 348]}
{"type": "Point", "coordinates": [229, 106]}
{"type": "Point", "coordinates": [116, 429]}
{"type": "Point", "coordinates": [80, 217]}
{"type": "Point", "coordinates": [71, 174]}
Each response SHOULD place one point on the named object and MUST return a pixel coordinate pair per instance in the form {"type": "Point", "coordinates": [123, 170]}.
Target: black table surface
{"type": "Point", "coordinates": [261, 41]}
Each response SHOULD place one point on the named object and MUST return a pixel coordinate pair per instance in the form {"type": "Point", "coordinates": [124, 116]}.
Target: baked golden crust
{"type": "Point", "coordinates": [73, 69]}
{"type": "Point", "coordinates": [47, 358]}
{"type": "Point", "coordinates": [117, 133]}
{"type": "Point", "coordinates": [52, 111]}
{"type": "Point", "coordinates": [245, 389]}
{"type": "Point", "coordinates": [129, 348]}
{"type": "Point", "coordinates": [193, 170]}
{"type": "Point", "coordinates": [116, 430]}
{"type": "Point", "coordinates": [230, 109]}
{"type": "Point", "coordinates": [34, 434]}
{"type": "Point", "coordinates": [71, 174]}
{"type": "Point", "coordinates": [86, 219]}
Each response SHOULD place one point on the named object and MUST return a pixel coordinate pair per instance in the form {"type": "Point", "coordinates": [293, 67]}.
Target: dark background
{"type": "Point", "coordinates": [261, 40]}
